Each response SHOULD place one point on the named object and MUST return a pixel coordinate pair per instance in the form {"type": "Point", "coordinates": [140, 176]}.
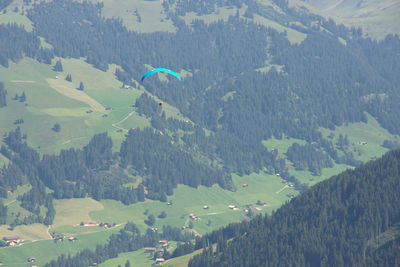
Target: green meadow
{"type": "Point", "coordinates": [186, 200]}
{"type": "Point", "coordinates": [50, 99]}
{"type": "Point", "coordinates": [47, 250]}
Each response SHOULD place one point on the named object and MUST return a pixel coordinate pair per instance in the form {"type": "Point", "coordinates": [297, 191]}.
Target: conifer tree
{"type": "Point", "coordinates": [58, 67]}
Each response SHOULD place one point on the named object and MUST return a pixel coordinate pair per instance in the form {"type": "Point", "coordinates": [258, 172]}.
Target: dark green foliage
{"type": "Point", "coordinates": [308, 157]}
{"type": "Point", "coordinates": [56, 127]}
{"type": "Point", "coordinates": [68, 78]}
{"type": "Point", "coordinates": [386, 255]}
{"type": "Point", "coordinates": [328, 225]}
{"type": "Point", "coordinates": [391, 144]}
{"type": "Point", "coordinates": [4, 4]}
{"type": "Point", "coordinates": [162, 215]}
{"type": "Point", "coordinates": [81, 86]}
{"type": "Point", "coordinates": [332, 85]}
{"type": "Point", "coordinates": [165, 165]}
{"type": "Point", "coordinates": [3, 93]}
{"type": "Point", "coordinates": [22, 98]}
{"type": "Point", "coordinates": [19, 121]}
{"type": "Point", "coordinates": [128, 239]}
{"type": "Point", "coordinates": [58, 66]}
{"type": "Point", "coordinates": [3, 213]}
{"type": "Point", "coordinates": [150, 220]}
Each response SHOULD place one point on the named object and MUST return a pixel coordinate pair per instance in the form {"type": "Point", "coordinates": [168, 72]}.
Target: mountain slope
{"type": "Point", "coordinates": [332, 224]}
{"type": "Point", "coordinates": [376, 18]}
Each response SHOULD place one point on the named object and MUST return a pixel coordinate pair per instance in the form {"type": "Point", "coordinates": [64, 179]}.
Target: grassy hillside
{"type": "Point", "coordinates": [376, 18]}
{"type": "Point", "coordinates": [104, 106]}
{"type": "Point", "coordinates": [51, 99]}
{"type": "Point", "coordinates": [46, 250]}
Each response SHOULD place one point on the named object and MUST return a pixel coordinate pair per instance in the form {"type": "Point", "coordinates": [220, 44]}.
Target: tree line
{"type": "Point", "coordinates": [334, 223]}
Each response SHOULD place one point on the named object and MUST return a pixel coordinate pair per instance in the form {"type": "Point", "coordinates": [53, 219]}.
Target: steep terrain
{"type": "Point", "coordinates": [376, 18]}
{"type": "Point", "coordinates": [338, 222]}
{"type": "Point", "coordinates": [274, 99]}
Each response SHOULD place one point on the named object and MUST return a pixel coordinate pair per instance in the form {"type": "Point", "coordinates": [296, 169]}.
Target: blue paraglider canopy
{"type": "Point", "coordinates": [163, 70]}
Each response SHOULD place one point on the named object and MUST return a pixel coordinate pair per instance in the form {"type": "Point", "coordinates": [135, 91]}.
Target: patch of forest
{"type": "Point", "coordinates": [331, 224]}
{"type": "Point", "coordinates": [96, 172]}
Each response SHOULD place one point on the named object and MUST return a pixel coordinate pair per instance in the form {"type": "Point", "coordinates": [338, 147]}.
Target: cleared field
{"type": "Point", "coordinates": [188, 200]}
{"type": "Point", "coordinates": [138, 15]}
{"type": "Point", "coordinates": [66, 88]}
{"type": "Point", "coordinates": [74, 211]}
{"type": "Point", "coordinates": [12, 17]}
{"type": "Point", "coordinates": [136, 258]}
{"type": "Point", "coordinates": [47, 250]}
{"type": "Point", "coordinates": [26, 232]}
{"type": "Point", "coordinates": [182, 261]}
{"type": "Point", "coordinates": [295, 37]}
{"type": "Point", "coordinates": [372, 133]}
{"type": "Point", "coordinates": [45, 106]}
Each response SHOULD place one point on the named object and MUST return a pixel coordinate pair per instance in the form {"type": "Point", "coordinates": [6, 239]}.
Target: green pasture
{"type": "Point", "coordinates": [372, 133]}
{"type": "Point", "coordinates": [13, 207]}
{"type": "Point", "coordinates": [281, 145]}
{"type": "Point", "coordinates": [47, 250]}
{"type": "Point", "coordinates": [46, 106]}
{"type": "Point", "coordinates": [29, 232]}
{"type": "Point", "coordinates": [73, 211]}
{"type": "Point", "coordinates": [188, 200]}
{"type": "Point", "coordinates": [137, 258]}
{"type": "Point", "coordinates": [295, 37]}
{"type": "Point", "coordinates": [17, 18]}
{"type": "Point", "coordinates": [221, 13]}
{"type": "Point", "coordinates": [151, 13]}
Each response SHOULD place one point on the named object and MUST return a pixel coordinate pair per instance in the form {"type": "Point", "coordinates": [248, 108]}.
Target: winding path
{"type": "Point", "coordinates": [121, 121]}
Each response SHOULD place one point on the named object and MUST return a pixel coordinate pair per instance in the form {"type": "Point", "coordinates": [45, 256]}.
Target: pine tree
{"type": "Point", "coordinates": [68, 78]}
{"type": "Point", "coordinates": [81, 86]}
{"type": "Point", "coordinates": [56, 127]}
{"type": "Point", "coordinates": [3, 94]}
{"type": "Point", "coordinates": [22, 98]}
{"type": "Point", "coordinates": [58, 67]}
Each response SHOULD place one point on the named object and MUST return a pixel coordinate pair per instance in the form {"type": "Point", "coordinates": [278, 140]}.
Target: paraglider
{"type": "Point", "coordinates": [163, 70]}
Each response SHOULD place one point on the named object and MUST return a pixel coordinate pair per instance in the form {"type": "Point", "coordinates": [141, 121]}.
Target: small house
{"type": "Point", "coordinates": [193, 216]}
{"type": "Point", "coordinates": [72, 239]}
{"type": "Point", "coordinates": [90, 223]}
{"type": "Point", "coordinates": [160, 260]}
{"type": "Point", "coordinates": [12, 240]}
{"type": "Point", "coordinates": [149, 249]}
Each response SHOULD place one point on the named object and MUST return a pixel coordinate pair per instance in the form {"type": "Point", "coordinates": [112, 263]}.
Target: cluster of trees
{"type": "Point", "coordinates": [308, 157]}
{"type": "Point", "coordinates": [16, 42]}
{"type": "Point", "coordinates": [334, 223]}
{"type": "Point", "coordinates": [4, 4]}
{"type": "Point", "coordinates": [3, 93]}
{"type": "Point", "coordinates": [165, 165]}
{"type": "Point", "coordinates": [128, 239]}
{"type": "Point", "coordinates": [96, 172]}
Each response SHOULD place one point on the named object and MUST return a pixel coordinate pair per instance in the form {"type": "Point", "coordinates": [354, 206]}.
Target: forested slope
{"type": "Point", "coordinates": [334, 223]}
{"type": "Point", "coordinates": [244, 83]}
